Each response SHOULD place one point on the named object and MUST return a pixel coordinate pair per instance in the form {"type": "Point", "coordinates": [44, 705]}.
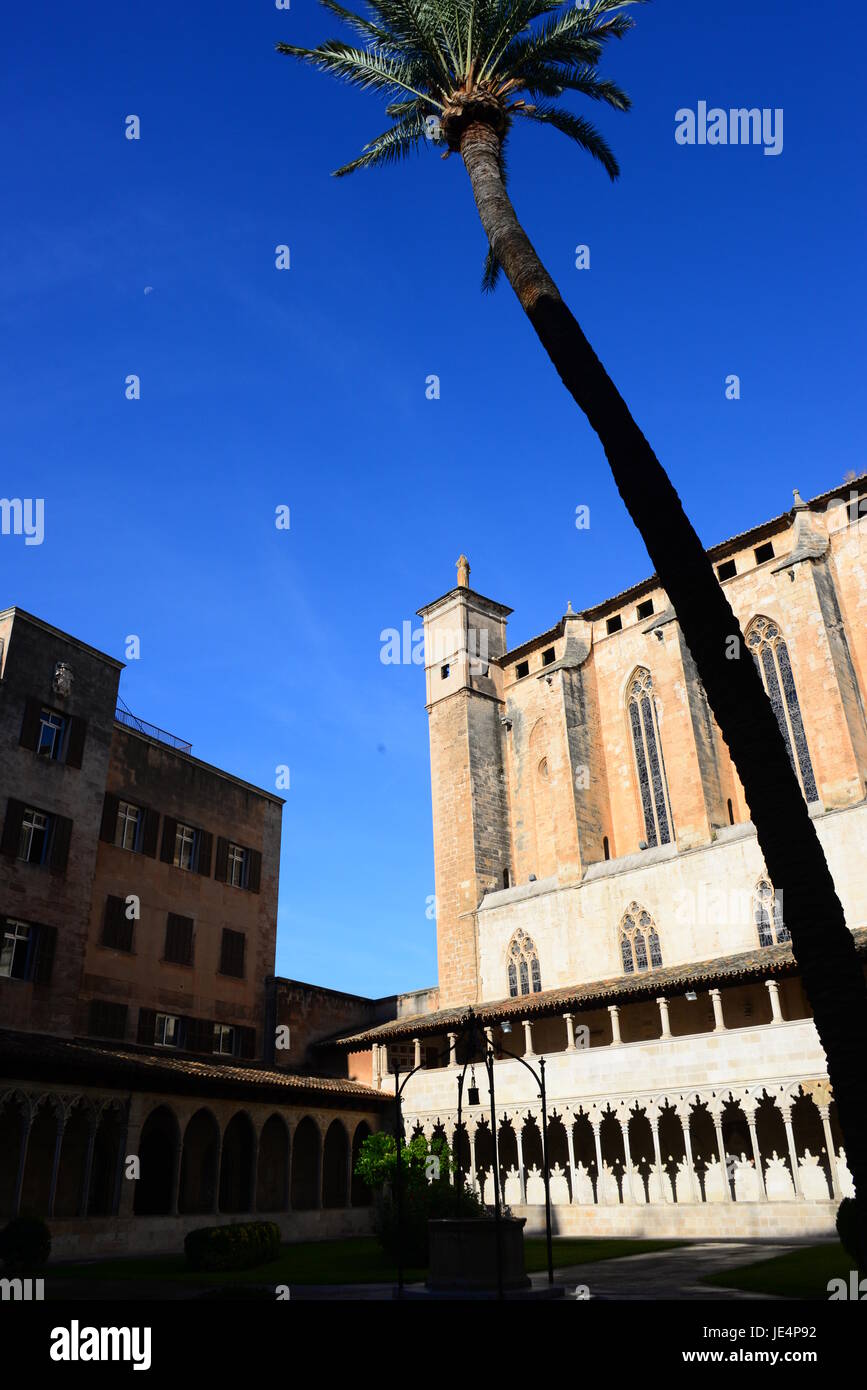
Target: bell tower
{"type": "Point", "coordinates": [464, 637]}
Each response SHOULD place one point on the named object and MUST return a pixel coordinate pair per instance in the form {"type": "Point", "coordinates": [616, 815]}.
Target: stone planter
{"type": "Point", "coordinates": [463, 1254]}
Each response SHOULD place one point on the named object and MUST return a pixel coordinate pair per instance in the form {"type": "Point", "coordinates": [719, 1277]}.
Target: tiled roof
{"type": "Point", "coordinates": [36, 1055]}
{"type": "Point", "coordinates": [671, 979]}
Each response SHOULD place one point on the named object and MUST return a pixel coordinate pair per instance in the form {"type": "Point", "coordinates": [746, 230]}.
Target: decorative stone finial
{"type": "Point", "coordinates": [463, 566]}
{"type": "Point", "coordinates": [568, 607]}
{"type": "Point", "coordinates": [800, 504]}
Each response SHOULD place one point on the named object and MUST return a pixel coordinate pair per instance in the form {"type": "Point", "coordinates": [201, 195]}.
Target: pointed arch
{"type": "Point", "coordinates": [769, 651]}
{"type": "Point", "coordinates": [525, 975]}
{"type": "Point", "coordinates": [640, 948]}
{"type": "Point", "coordinates": [647, 753]}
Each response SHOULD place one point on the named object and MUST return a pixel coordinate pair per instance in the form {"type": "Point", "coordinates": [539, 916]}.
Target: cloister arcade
{"type": "Point", "coordinates": [773, 1142]}
{"type": "Point", "coordinates": [66, 1154]}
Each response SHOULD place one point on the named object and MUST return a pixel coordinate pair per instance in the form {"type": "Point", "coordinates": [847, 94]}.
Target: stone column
{"type": "Point", "coordinates": [596, 1126]}
{"type": "Point", "coordinates": [176, 1172]}
{"type": "Point", "coordinates": [774, 991]}
{"type": "Point", "coordinates": [218, 1172]}
{"type": "Point", "coordinates": [528, 1038]}
{"type": "Point", "coordinates": [749, 1108]}
{"type": "Point", "coordinates": [570, 1151]}
{"type": "Point", "coordinates": [663, 1018]}
{"type": "Point", "coordinates": [519, 1140]}
{"type": "Point", "coordinates": [28, 1110]}
{"type": "Point", "coordinates": [489, 1036]}
{"type": "Point", "coordinates": [623, 1121]}
{"type": "Point", "coordinates": [825, 1114]}
{"type": "Point", "coordinates": [662, 1176]}
{"type": "Point", "coordinates": [349, 1175]}
{"type": "Point", "coordinates": [416, 1052]}
{"type": "Point", "coordinates": [570, 1032]}
{"type": "Point", "coordinates": [377, 1066]}
{"type": "Point", "coordinates": [453, 1038]}
{"type": "Point", "coordinates": [615, 1025]}
{"type": "Point", "coordinates": [471, 1134]}
{"type": "Point", "coordinates": [254, 1174]}
{"type": "Point", "coordinates": [719, 1023]}
{"type": "Point", "coordinates": [84, 1197]}
{"type": "Point", "coordinates": [62, 1117]}
{"type": "Point", "coordinates": [716, 1116]}
{"type": "Point", "coordinates": [682, 1110]}
{"type": "Point", "coordinates": [786, 1112]}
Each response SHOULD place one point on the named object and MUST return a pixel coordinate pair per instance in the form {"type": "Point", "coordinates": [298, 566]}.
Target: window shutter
{"type": "Point", "coordinates": [232, 953]}
{"type": "Point", "coordinates": [179, 939]}
{"type": "Point", "coordinates": [30, 726]}
{"type": "Point", "coordinates": [75, 743]}
{"type": "Point", "coordinates": [246, 1042]}
{"type": "Point", "coordinates": [147, 1022]}
{"type": "Point", "coordinates": [117, 928]}
{"type": "Point", "coordinates": [170, 830]}
{"type": "Point", "coordinates": [254, 875]}
{"type": "Point", "coordinates": [12, 827]}
{"type": "Point", "coordinates": [109, 818]}
{"type": "Point", "coordinates": [106, 1020]}
{"type": "Point", "coordinates": [199, 1035]}
{"type": "Point", "coordinates": [206, 846]}
{"type": "Point", "coordinates": [46, 941]}
{"type": "Point", "coordinates": [61, 832]}
{"type": "Point", "coordinates": [150, 827]}
{"type": "Point", "coordinates": [221, 867]}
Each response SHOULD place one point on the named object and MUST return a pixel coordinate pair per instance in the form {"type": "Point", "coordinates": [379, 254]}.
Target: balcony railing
{"type": "Point", "coordinates": [141, 726]}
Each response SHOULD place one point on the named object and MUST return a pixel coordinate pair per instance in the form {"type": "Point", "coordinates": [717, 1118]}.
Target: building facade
{"type": "Point", "coordinates": [138, 912]}
{"type": "Point", "coordinates": [602, 899]}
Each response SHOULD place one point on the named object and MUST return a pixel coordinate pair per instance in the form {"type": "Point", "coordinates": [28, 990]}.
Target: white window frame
{"type": "Point", "coordinates": [237, 862]}
{"type": "Point", "coordinates": [14, 931]}
{"type": "Point", "coordinates": [161, 1030]}
{"type": "Point", "coordinates": [185, 839]}
{"type": "Point", "coordinates": [56, 723]}
{"type": "Point", "coordinates": [222, 1032]}
{"type": "Point", "coordinates": [128, 816]}
{"type": "Point", "coordinates": [31, 822]}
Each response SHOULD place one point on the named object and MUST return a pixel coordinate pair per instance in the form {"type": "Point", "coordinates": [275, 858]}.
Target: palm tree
{"type": "Point", "coordinates": [465, 71]}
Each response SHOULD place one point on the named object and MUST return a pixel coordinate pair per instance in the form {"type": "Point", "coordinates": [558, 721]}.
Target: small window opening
{"type": "Point", "coordinates": [731, 811]}
{"type": "Point", "coordinates": [727, 570]}
{"type": "Point", "coordinates": [605, 847]}
{"type": "Point", "coordinates": [548, 656]}
{"type": "Point", "coordinates": [522, 669]}
{"type": "Point", "coordinates": [444, 671]}
{"type": "Point", "coordinates": [614, 624]}
{"type": "Point", "coordinates": [764, 552]}
{"type": "Point", "coordinates": [507, 879]}
{"type": "Point", "coordinates": [645, 609]}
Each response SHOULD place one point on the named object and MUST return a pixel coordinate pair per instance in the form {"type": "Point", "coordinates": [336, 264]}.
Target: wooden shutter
{"type": "Point", "coordinates": [150, 827]}
{"type": "Point", "coordinates": [246, 1042]}
{"type": "Point", "coordinates": [109, 818]}
{"type": "Point", "coordinates": [254, 873]}
{"type": "Point", "coordinates": [221, 867]}
{"type": "Point", "coordinates": [46, 942]}
{"type": "Point", "coordinates": [61, 832]}
{"type": "Point", "coordinates": [31, 725]}
{"type": "Point", "coordinates": [170, 830]}
{"type": "Point", "coordinates": [106, 1019]}
{"type": "Point", "coordinates": [117, 928]}
{"type": "Point", "coordinates": [179, 939]}
{"type": "Point", "coordinates": [12, 827]}
{"type": "Point", "coordinates": [205, 852]}
{"type": "Point", "coordinates": [75, 742]}
{"type": "Point", "coordinates": [232, 953]}
{"type": "Point", "coordinates": [199, 1035]}
{"type": "Point", "coordinates": [147, 1022]}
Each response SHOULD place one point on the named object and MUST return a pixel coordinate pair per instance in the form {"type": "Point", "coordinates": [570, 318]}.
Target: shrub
{"type": "Point", "coordinates": [25, 1244]}
{"type": "Point", "coordinates": [426, 1192]}
{"type": "Point", "coordinates": [242, 1246]}
{"type": "Point", "coordinates": [847, 1226]}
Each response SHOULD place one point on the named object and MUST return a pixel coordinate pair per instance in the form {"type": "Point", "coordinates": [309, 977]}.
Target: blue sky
{"type": "Point", "coordinates": [306, 387]}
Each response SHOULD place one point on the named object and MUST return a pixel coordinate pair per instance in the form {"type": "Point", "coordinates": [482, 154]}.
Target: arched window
{"type": "Point", "coordinates": [771, 656]}
{"type": "Point", "coordinates": [525, 977]}
{"type": "Point", "coordinates": [648, 759]}
{"type": "Point", "coordinates": [768, 912]}
{"type": "Point", "coordinates": [639, 940]}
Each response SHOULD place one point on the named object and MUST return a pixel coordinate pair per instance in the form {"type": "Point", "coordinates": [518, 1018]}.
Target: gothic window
{"type": "Point", "coordinates": [648, 759]}
{"type": "Point", "coordinates": [771, 656]}
{"type": "Point", "coordinates": [639, 941]}
{"type": "Point", "coordinates": [768, 912]}
{"type": "Point", "coordinates": [525, 976]}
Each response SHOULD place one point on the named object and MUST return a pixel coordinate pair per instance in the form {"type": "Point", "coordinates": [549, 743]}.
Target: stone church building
{"type": "Point", "coordinates": [602, 901]}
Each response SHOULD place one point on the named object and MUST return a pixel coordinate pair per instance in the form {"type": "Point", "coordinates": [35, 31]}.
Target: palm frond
{"type": "Point", "coordinates": [365, 68]}
{"type": "Point", "coordinates": [577, 129]}
{"type": "Point", "coordinates": [390, 147]}
{"type": "Point", "coordinates": [576, 36]}
{"type": "Point", "coordinates": [551, 80]}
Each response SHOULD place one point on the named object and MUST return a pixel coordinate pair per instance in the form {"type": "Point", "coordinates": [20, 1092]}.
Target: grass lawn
{"type": "Point", "coordinates": [358, 1261]}
{"type": "Point", "coordinates": [799, 1274]}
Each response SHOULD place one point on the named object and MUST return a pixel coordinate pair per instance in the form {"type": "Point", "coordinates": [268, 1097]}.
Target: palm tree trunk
{"type": "Point", "coordinates": [823, 945]}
